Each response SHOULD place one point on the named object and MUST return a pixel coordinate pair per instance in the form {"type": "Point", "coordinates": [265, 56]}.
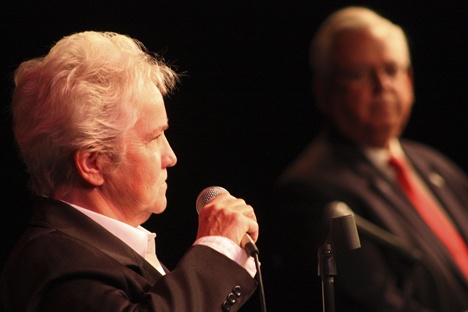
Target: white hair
{"type": "Point", "coordinates": [83, 94]}
{"type": "Point", "coordinates": [351, 18]}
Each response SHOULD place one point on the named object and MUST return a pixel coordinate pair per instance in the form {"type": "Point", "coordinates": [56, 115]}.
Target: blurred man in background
{"type": "Point", "coordinates": [363, 83]}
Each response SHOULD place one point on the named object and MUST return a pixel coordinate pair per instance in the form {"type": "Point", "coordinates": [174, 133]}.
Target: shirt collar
{"type": "Point", "coordinates": [380, 156]}
{"type": "Point", "coordinates": [135, 237]}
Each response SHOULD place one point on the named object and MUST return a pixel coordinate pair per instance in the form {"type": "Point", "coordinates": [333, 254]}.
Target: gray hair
{"type": "Point", "coordinates": [83, 95]}
{"type": "Point", "coordinates": [351, 18]}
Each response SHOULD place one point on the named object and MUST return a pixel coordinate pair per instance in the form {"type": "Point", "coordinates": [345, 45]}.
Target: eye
{"type": "Point", "coordinates": [358, 74]}
{"type": "Point", "coordinates": [391, 70]}
{"type": "Point", "coordinates": [354, 74]}
{"type": "Point", "coordinates": [156, 138]}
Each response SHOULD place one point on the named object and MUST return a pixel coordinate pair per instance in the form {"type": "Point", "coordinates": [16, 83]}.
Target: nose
{"type": "Point", "coordinates": [382, 79]}
{"type": "Point", "coordinates": [169, 158]}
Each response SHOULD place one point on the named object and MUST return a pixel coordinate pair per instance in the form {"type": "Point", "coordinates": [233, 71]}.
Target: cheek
{"type": "Point", "coordinates": [406, 109]}
{"type": "Point", "coordinates": [143, 172]}
{"type": "Point", "coordinates": [351, 99]}
{"type": "Point", "coordinates": [350, 104]}
{"type": "Point", "coordinates": [407, 97]}
{"type": "Point", "coordinates": [154, 175]}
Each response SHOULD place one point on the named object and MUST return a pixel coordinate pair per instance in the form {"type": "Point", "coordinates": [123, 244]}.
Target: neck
{"type": "Point", "coordinates": [92, 199]}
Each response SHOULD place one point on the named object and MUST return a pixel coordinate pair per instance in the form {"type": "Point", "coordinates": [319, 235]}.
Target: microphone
{"type": "Point", "coordinates": [341, 219]}
{"type": "Point", "coordinates": [205, 197]}
{"type": "Point", "coordinates": [393, 242]}
{"type": "Point", "coordinates": [342, 228]}
{"type": "Point", "coordinates": [374, 232]}
{"type": "Point", "coordinates": [388, 239]}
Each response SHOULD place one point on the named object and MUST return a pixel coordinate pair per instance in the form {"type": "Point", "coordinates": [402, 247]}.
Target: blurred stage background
{"type": "Point", "coordinates": [244, 109]}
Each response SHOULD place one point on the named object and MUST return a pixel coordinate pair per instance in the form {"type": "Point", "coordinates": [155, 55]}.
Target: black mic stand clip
{"type": "Point", "coordinates": [342, 227]}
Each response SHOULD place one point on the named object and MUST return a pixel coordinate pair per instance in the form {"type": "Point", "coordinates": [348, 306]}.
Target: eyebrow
{"type": "Point", "coordinates": [155, 131]}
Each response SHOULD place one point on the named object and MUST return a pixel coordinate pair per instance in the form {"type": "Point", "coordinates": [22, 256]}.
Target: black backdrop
{"type": "Point", "coordinates": [244, 108]}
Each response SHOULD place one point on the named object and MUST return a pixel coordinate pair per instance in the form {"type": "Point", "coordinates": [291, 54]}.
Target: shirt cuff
{"type": "Point", "coordinates": [231, 250]}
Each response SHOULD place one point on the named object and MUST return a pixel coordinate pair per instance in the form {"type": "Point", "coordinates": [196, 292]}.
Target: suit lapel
{"type": "Point", "coordinates": [435, 180]}
{"type": "Point", "coordinates": [391, 208]}
{"type": "Point", "coordinates": [402, 214]}
{"type": "Point", "coordinates": [437, 185]}
{"type": "Point", "coordinates": [60, 216]}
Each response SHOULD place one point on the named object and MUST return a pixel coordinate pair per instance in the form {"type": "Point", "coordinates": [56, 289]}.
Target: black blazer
{"type": "Point", "coordinates": [67, 262]}
{"type": "Point", "coordinates": [374, 277]}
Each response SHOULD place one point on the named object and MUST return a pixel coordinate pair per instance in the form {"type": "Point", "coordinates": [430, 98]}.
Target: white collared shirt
{"type": "Point", "coordinates": [231, 250]}
{"type": "Point", "coordinates": [142, 241]}
{"type": "Point", "coordinates": [380, 157]}
{"type": "Point", "coordinates": [138, 238]}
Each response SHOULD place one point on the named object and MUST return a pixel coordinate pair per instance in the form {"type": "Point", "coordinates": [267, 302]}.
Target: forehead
{"type": "Point", "coordinates": [364, 46]}
{"type": "Point", "coordinates": [152, 114]}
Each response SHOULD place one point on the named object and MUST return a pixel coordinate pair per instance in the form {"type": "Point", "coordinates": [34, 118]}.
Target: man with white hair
{"type": "Point", "coordinates": [363, 83]}
{"type": "Point", "coordinates": [90, 121]}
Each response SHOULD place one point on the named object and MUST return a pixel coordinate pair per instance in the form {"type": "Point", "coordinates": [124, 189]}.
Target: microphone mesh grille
{"type": "Point", "coordinates": [208, 194]}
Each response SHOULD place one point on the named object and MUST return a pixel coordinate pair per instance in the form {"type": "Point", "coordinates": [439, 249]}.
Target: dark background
{"type": "Point", "coordinates": [244, 108]}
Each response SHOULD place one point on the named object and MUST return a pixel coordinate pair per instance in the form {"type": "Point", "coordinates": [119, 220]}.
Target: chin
{"type": "Point", "coordinates": [159, 211]}
{"type": "Point", "coordinates": [160, 206]}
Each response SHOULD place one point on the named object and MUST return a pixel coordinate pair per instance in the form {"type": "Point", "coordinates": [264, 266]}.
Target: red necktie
{"type": "Point", "coordinates": [432, 215]}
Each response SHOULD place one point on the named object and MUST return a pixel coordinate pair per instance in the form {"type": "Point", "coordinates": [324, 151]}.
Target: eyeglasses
{"type": "Point", "coordinates": [367, 75]}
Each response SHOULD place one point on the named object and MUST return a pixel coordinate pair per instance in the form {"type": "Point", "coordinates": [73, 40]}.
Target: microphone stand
{"type": "Point", "coordinates": [344, 228]}
{"type": "Point", "coordinates": [327, 272]}
{"type": "Point", "coordinates": [344, 225]}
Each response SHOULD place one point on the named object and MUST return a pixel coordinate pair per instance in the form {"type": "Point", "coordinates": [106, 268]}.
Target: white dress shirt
{"type": "Point", "coordinates": [380, 157]}
{"type": "Point", "coordinates": [142, 241]}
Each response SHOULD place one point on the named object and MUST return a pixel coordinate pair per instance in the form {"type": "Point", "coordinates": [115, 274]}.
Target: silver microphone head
{"type": "Point", "coordinates": [208, 194]}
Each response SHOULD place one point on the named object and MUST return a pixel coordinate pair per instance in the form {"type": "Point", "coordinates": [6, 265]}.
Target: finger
{"type": "Point", "coordinates": [253, 230]}
{"type": "Point", "coordinates": [227, 201]}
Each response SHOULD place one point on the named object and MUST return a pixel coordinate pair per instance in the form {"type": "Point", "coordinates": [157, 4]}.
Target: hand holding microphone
{"type": "Point", "coordinates": [221, 214]}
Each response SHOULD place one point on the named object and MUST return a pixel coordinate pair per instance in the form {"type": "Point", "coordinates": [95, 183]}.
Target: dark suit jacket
{"type": "Point", "coordinates": [67, 262]}
{"type": "Point", "coordinates": [374, 277]}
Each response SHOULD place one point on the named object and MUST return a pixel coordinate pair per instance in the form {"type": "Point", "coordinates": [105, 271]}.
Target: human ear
{"type": "Point", "coordinates": [89, 166]}
{"type": "Point", "coordinates": [410, 75]}
{"type": "Point", "coordinates": [410, 83]}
